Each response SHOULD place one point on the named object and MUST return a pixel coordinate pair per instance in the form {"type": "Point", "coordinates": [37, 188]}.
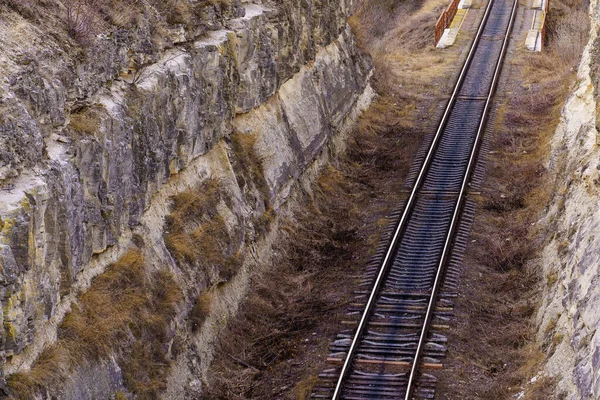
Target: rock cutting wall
{"type": "Point", "coordinates": [93, 151]}
{"type": "Point", "coordinates": [569, 317]}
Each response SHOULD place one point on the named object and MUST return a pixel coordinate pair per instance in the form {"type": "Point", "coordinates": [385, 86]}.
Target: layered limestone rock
{"type": "Point", "coordinates": [93, 153]}
{"type": "Point", "coordinates": [569, 318]}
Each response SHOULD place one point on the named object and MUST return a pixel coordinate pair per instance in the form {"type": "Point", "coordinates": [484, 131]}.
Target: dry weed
{"type": "Point", "coordinates": [197, 234]}
{"type": "Point", "coordinates": [125, 314]}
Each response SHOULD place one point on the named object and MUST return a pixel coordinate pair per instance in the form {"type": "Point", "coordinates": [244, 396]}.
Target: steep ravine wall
{"type": "Point", "coordinates": [94, 154]}
{"type": "Point", "coordinates": [568, 321]}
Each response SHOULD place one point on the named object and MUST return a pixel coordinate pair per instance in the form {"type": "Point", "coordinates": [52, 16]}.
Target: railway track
{"type": "Point", "coordinates": [400, 310]}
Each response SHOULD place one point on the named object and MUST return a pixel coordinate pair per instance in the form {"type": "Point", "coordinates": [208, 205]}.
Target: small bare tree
{"type": "Point", "coordinates": [80, 19]}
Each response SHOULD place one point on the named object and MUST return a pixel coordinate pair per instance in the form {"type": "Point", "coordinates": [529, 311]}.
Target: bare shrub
{"type": "Point", "coordinates": [80, 19]}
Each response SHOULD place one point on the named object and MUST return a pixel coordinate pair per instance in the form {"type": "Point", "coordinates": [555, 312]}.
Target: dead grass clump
{"type": "Point", "coordinates": [543, 388]}
{"type": "Point", "coordinates": [249, 163]}
{"type": "Point", "coordinates": [185, 225]}
{"type": "Point", "coordinates": [50, 368]}
{"type": "Point", "coordinates": [285, 309]}
{"type": "Point", "coordinates": [120, 396]}
{"type": "Point", "coordinates": [251, 177]}
{"type": "Point", "coordinates": [262, 224]}
{"type": "Point", "coordinates": [201, 309]}
{"type": "Point", "coordinates": [304, 388]}
{"type": "Point", "coordinates": [104, 312]}
{"type": "Point", "coordinates": [145, 370]}
{"type": "Point", "coordinates": [198, 235]}
{"type": "Point", "coordinates": [125, 313]}
{"type": "Point", "coordinates": [511, 254]}
{"type": "Point", "coordinates": [85, 121]}
{"type": "Point", "coordinates": [214, 235]}
{"type": "Point", "coordinates": [192, 205]}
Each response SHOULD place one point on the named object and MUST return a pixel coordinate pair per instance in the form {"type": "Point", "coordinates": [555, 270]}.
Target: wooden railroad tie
{"type": "Point", "coordinates": [406, 364]}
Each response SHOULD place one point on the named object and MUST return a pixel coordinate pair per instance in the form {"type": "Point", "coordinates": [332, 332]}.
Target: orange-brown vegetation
{"type": "Point", "coordinates": [197, 234]}
{"type": "Point", "coordinates": [126, 314]}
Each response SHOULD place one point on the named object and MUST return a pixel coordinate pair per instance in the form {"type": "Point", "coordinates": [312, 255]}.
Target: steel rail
{"type": "Point", "coordinates": [408, 208]}
{"type": "Point", "coordinates": [457, 210]}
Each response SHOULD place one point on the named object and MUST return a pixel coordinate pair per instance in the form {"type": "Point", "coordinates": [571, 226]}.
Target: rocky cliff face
{"type": "Point", "coordinates": [101, 144]}
{"type": "Point", "coordinates": [569, 317]}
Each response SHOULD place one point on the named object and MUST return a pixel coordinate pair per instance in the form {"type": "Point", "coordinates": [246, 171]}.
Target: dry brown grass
{"type": "Point", "coordinates": [197, 234]}
{"type": "Point", "coordinates": [120, 396]}
{"type": "Point", "coordinates": [201, 309]}
{"type": "Point", "coordinates": [125, 313]}
{"type": "Point", "coordinates": [303, 389]}
{"type": "Point", "coordinates": [568, 24]}
{"type": "Point", "coordinates": [277, 344]}
{"type": "Point", "coordinates": [248, 168]}
{"type": "Point", "coordinates": [400, 39]}
{"type": "Point", "coordinates": [86, 121]}
{"type": "Point", "coordinates": [248, 165]}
